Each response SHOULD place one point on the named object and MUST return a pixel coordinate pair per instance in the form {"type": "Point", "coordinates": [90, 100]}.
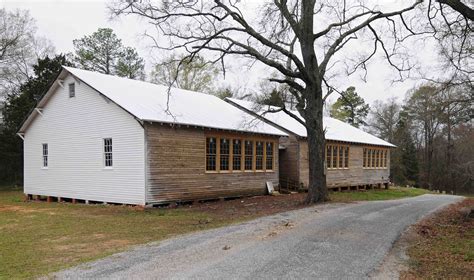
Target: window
{"type": "Point", "coordinates": [269, 153]}
{"type": "Point", "coordinates": [337, 156]}
{"type": "Point", "coordinates": [72, 90]}
{"type": "Point", "coordinates": [224, 154]}
{"type": "Point", "coordinates": [328, 156]}
{"type": "Point", "coordinates": [341, 157]}
{"type": "Point", "coordinates": [108, 162]}
{"type": "Point", "coordinates": [237, 155]}
{"type": "Point", "coordinates": [234, 155]}
{"type": "Point", "coordinates": [334, 156]}
{"type": "Point", "coordinates": [375, 158]}
{"type": "Point", "coordinates": [259, 147]}
{"type": "Point", "coordinates": [211, 152]}
{"type": "Point", "coordinates": [248, 155]}
{"type": "Point", "coordinates": [45, 155]}
{"type": "Point", "coordinates": [346, 157]}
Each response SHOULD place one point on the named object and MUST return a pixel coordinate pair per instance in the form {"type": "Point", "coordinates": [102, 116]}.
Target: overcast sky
{"type": "Point", "coordinates": [61, 21]}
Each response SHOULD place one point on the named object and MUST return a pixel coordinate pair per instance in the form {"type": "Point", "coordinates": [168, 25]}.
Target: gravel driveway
{"type": "Point", "coordinates": [331, 241]}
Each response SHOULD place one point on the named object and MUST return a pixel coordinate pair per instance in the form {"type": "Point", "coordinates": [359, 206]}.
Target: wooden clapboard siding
{"type": "Point", "coordinates": [355, 175]}
{"type": "Point", "coordinates": [176, 161]}
{"type": "Point", "coordinates": [288, 158]}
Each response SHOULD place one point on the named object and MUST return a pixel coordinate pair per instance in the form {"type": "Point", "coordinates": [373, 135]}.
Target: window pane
{"type": "Point", "coordinates": [259, 155]}
{"type": "Point", "coordinates": [211, 153]}
{"type": "Point", "coordinates": [269, 160]}
{"type": "Point", "coordinates": [45, 155]}
{"type": "Point", "coordinates": [385, 159]}
{"type": "Point", "coordinates": [72, 90]}
{"type": "Point", "coordinates": [341, 157]}
{"type": "Point", "coordinates": [373, 159]}
{"type": "Point", "coordinates": [328, 156]}
{"type": "Point", "coordinates": [108, 152]}
{"type": "Point", "coordinates": [377, 158]}
{"type": "Point", "coordinates": [364, 164]}
{"type": "Point", "coordinates": [346, 157]}
{"type": "Point", "coordinates": [248, 155]}
{"type": "Point", "coordinates": [237, 154]}
{"type": "Point", "coordinates": [334, 157]}
{"type": "Point", "coordinates": [224, 154]}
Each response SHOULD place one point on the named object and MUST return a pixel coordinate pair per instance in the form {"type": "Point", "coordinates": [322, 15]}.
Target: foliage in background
{"type": "Point", "coordinates": [194, 74]}
{"type": "Point", "coordinates": [350, 108]}
{"type": "Point", "coordinates": [103, 52]}
{"type": "Point", "coordinates": [17, 107]}
{"type": "Point", "coordinates": [434, 137]}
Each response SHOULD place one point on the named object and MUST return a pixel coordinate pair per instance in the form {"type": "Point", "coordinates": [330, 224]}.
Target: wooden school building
{"type": "Point", "coordinates": [354, 158]}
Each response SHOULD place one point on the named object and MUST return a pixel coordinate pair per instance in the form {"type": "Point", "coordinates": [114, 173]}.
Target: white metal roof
{"type": "Point", "coordinates": [336, 130]}
{"type": "Point", "coordinates": [150, 102]}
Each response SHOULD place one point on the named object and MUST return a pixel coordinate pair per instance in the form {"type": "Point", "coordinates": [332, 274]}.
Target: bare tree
{"type": "Point", "coordinates": [19, 48]}
{"type": "Point", "coordinates": [383, 118]}
{"type": "Point", "coordinates": [303, 40]}
{"type": "Point", "coordinates": [450, 24]}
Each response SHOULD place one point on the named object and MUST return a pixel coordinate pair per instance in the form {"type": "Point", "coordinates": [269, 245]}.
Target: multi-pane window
{"type": "Point", "coordinates": [224, 154]}
{"type": "Point", "coordinates": [259, 147]}
{"type": "Point", "coordinates": [72, 90]}
{"type": "Point", "coordinates": [233, 155]}
{"type": "Point", "coordinates": [375, 158]}
{"type": "Point", "coordinates": [337, 156]}
{"type": "Point", "coordinates": [45, 155]}
{"type": "Point", "coordinates": [211, 152]}
{"type": "Point", "coordinates": [248, 155]}
{"type": "Point", "coordinates": [108, 160]}
{"type": "Point", "coordinates": [237, 154]}
{"type": "Point", "coordinates": [269, 153]}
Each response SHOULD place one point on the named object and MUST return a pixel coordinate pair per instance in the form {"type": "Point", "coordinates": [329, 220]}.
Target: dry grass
{"type": "Point", "coordinates": [443, 246]}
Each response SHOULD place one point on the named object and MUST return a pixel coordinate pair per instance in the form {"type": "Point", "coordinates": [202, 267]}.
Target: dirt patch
{"type": "Point", "coordinates": [440, 246]}
{"type": "Point", "coordinates": [252, 206]}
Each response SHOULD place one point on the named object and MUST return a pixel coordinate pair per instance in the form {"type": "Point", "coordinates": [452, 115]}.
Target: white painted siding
{"type": "Point", "coordinates": [74, 129]}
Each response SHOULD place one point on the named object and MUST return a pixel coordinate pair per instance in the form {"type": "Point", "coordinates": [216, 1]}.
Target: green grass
{"type": "Point", "coordinates": [37, 238]}
{"type": "Point", "coordinates": [376, 194]}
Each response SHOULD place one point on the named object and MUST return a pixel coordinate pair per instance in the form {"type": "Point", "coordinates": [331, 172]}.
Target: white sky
{"type": "Point", "coordinates": [62, 21]}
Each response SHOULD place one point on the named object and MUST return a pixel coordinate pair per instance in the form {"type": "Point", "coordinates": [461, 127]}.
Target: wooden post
{"type": "Point", "coordinates": [73, 201]}
{"type": "Point", "coordinates": [49, 199]}
{"type": "Point", "coordinates": [59, 199]}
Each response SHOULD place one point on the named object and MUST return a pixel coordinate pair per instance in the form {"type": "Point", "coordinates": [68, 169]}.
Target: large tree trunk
{"type": "Point", "coordinates": [317, 189]}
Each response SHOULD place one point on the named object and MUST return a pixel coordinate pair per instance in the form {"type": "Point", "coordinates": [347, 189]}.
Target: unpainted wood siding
{"type": "Point", "coordinates": [289, 160]}
{"type": "Point", "coordinates": [176, 158]}
{"type": "Point", "coordinates": [355, 175]}
{"type": "Point", "coordinates": [74, 129]}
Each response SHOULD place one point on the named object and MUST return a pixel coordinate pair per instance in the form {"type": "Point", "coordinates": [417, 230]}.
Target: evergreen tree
{"type": "Point", "coordinates": [404, 161]}
{"type": "Point", "coordinates": [103, 52]}
{"type": "Point", "coordinates": [350, 108]}
{"type": "Point", "coordinates": [16, 109]}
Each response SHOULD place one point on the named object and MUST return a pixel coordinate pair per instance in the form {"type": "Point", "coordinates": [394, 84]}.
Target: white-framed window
{"type": "Point", "coordinates": [72, 90]}
{"type": "Point", "coordinates": [108, 159]}
{"type": "Point", "coordinates": [45, 155]}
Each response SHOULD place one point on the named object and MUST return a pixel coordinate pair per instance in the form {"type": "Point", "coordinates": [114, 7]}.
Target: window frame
{"type": "Point", "coordinates": [337, 156]}
{"type": "Point", "coordinates": [377, 158]}
{"type": "Point", "coordinates": [45, 156]}
{"type": "Point", "coordinates": [106, 152]}
{"type": "Point", "coordinates": [242, 156]}
{"type": "Point", "coordinates": [73, 91]}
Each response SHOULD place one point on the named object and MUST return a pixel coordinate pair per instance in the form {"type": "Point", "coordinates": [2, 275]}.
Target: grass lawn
{"type": "Point", "coordinates": [38, 237]}
{"type": "Point", "coordinates": [443, 245]}
{"type": "Point", "coordinates": [377, 194]}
